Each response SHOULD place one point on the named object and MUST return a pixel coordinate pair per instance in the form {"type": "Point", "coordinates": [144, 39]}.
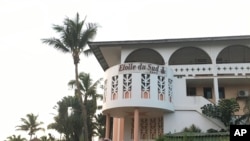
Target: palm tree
{"type": "Point", "coordinates": [15, 138]}
{"type": "Point", "coordinates": [73, 39]}
{"type": "Point", "coordinates": [30, 124]}
{"type": "Point", "coordinates": [87, 87]}
{"type": "Point", "coordinates": [89, 90]}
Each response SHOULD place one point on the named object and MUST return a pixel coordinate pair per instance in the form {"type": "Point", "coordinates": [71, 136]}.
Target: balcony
{"type": "Point", "coordinates": [210, 69]}
{"type": "Point", "coordinates": [142, 85]}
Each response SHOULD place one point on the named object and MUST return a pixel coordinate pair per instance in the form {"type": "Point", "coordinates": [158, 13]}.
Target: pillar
{"type": "Point", "coordinates": [216, 90]}
{"type": "Point", "coordinates": [107, 126]}
{"type": "Point", "coordinates": [136, 124]}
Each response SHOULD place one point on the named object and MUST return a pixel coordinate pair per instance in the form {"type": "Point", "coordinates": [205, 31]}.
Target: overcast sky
{"type": "Point", "coordinates": [34, 76]}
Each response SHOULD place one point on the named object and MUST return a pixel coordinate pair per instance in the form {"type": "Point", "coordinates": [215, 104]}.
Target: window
{"type": "Point", "coordinates": [145, 86]}
{"type": "Point", "coordinates": [127, 85]}
{"type": "Point", "coordinates": [114, 87]}
{"type": "Point", "coordinates": [191, 91]}
{"type": "Point", "coordinates": [221, 93]}
{"type": "Point", "coordinates": [208, 93]}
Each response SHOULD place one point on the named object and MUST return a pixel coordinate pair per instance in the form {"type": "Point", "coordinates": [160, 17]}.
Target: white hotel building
{"type": "Point", "coordinates": [153, 87]}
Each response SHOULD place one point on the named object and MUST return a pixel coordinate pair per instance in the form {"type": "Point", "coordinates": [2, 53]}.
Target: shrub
{"type": "Point", "coordinates": [212, 131]}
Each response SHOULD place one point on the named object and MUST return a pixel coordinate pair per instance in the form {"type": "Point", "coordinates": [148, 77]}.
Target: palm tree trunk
{"type": "Point", "coordinates": [83, 106]}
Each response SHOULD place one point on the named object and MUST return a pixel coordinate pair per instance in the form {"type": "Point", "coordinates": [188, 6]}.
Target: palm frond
{"type": "Point", "coordinates": [56, 43]}
{"type": "Point", "coordinates": [58, 28]}
{"type": "Point", "coordinates": [72, 84]}
{"type": "Point", "coordinates": [88, 52]}
{"type": "Point", "coordinates": [88, 34]}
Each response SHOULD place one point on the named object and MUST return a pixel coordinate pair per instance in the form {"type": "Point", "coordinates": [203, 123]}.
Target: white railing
{"type": "Point", "coordinates": [210, 69]}
{"type": "Point", "coordinates": [241, 68]}
{"type": "Point", "coordinates": [192, 69]}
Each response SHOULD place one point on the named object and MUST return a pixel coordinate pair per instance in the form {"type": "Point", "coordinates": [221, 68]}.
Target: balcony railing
{"type": "Point", "coordinates": [241, 68]}
{"type": "Point", "coordinates": [210, 69]}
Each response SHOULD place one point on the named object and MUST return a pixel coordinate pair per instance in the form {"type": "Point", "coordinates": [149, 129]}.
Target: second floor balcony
{"type": "Point", "coordinates": [138, 85]}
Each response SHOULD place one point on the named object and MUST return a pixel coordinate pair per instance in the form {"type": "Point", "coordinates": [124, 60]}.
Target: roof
{"type": "Point", "coordinates": [96, 45]}
{"type": "Point", "coordinates": [174, 40]}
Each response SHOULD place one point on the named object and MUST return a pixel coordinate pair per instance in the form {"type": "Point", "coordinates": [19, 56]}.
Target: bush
{"type": "Point", "coordinates": [192, 128]}
{"type": "Point", "coordinates": [212, 131]}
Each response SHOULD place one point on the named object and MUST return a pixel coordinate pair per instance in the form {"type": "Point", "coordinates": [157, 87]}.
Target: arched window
{"type": "Point", "coordinates": [145, 55]}
{"type": "Point", "coordinates": [189, 55]}
{"type": "Point", "coordinates": [234, 54]}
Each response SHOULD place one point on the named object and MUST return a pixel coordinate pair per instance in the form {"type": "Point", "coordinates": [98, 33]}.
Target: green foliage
{"type": "Point", "coordinates": [161, 138]}
{"type": "Point", "coordinates": [70, 123]}
{"type": "Point", "coordinates": [88, 88]}
{"type": "Point", "coordinates": [73, 39]}
{"type": "Point", "coordinates": [100, 124]}
{"type": "Point", "coordinates": [45, 138]}
{"type": "Point", "coordinates": [212, 131]}
{"type": "Point", "coordinates": [245, 119]}
{"type": "Point", "coordinates": [16, 138]}
{"type": "Point", "coordinates": [224, 111]}
{"type": "Point", "coordinates": [192, 128]}
{"type": "Point", "coordinates": [31, 125]}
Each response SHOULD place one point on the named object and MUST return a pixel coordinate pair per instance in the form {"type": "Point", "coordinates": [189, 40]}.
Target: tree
{"type": "Point", "coordinates": [99, 124]}
{"type": "Point", "coordinates": [224, 111]}
{"type": "Point", "coordinates": [68, 123]}
{"type": "Point", "coordinates": [31, 125]}
{"type": "Point", "coordinates": [16, 138]}
{"type": "Point", "coordinates": [245, 119]}
{"type": "Point", "coordinates": [73, 39]}
{"type": "Point", "coordinates": [89, 90]}
{"type": "Point", "coordinates": [45, 138]}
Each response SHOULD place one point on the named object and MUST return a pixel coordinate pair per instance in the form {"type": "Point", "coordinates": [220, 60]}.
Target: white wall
{"type": "Point", "coordinates": [178, 120]}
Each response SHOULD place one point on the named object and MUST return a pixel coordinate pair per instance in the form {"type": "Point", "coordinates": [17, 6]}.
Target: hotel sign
{"type": "Point", "coordinates": [142, 68]}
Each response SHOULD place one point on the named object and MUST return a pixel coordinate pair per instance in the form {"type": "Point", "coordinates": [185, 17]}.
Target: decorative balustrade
{"type": "Point", "coordinates": [241, 68]}
{"type": "Point", "coordinates": [193, 70]}
{"type": "Point", "coordinates": [210, 69]}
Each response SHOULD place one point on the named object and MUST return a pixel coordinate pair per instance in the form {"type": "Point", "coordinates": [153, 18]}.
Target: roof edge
{"type": "Point", "coordinates": [171, 40]}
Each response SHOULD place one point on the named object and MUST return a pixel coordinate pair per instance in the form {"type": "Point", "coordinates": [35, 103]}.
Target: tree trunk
{"type": "Point", "coordinates": [83, 106]}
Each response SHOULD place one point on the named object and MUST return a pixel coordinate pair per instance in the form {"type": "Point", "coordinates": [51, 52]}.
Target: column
{"type": "Point", "coordinates": [107, 126]}
{"type": "Point", "coordinates": [136, 124]}
{"type": "Point", "coordinates": [121, 129]}
{"type": "Point", "coordinates": [215, 79]}
{"type": "Point", "coordinates": [116, 129]}
{"type": "Point", "coordinates": [216, 90]}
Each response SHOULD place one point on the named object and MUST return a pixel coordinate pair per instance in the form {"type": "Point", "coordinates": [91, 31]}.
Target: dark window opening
{"type": "Point", "coordinates": [221, 93]}
{"type": "Point", "coordinates": [208, 93]}
{"type": "Point", "coordinates": [191, 91]}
